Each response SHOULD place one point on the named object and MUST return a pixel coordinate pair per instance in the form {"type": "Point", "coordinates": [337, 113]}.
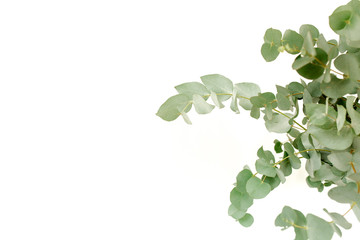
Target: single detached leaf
{"type": "Point", "coordinates": [339, 219]}
{"type": "Point", "coordinates": [201, 106]}
{"type": "Point", "coordinates": [173, 107]}
{"type": "Point", "coordinates": [191, 88]}
{"type": "Point", "coordinates": [219, 84]}
{"type": "Point", "coordinates": [318, 228]}
{"type": "Point", "coordinates": [257, 189]}
{"type": "Point", "coordinates": [247, 220]}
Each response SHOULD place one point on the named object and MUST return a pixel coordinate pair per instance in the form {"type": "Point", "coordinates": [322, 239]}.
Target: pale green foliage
{"type": "Point", "coordinates": [326, 141]}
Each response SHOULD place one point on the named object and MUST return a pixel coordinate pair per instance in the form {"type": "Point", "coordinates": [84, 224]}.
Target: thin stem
{"type": "Point", "coordinates": [352, 206]}
{"type": "Point", "coordinates": [307, 150]}
{"type": "Point", "coordinates": [289, 118]}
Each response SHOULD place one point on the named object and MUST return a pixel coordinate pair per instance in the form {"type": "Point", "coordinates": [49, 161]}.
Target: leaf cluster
{"type": "Point", "coordinates": [326, 141]}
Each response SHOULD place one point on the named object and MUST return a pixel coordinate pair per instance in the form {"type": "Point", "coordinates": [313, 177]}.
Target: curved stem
{"type": "Point", "coordinates": [289, 118]}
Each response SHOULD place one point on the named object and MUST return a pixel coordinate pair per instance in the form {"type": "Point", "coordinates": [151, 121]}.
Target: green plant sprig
{"type": "Point", "coordinates": [327, 139]}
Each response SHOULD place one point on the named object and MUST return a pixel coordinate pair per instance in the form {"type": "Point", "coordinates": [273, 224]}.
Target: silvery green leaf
{"type": "Point", "coordinates": [341, 160]}
{"type": "Point", "coordinates": [339, 219]}
{"type": "Point", "coordinates": [216, 101]}
{"type": "Point", "coordinates": [318, 228]}
{"type": "Point", "coordinates": [341, 117]}
{"type": "Point", "coordinates": [218, 84]}
{"type": "Point", "coordinates": [235, 213]}
{"type": "Point", "coordinates": [320, 116]}
{"type": "Point", "coordinates": [281, 175]}
{"type": "Point", "coordinates": [348, 64]}
{"type": "Point", "coordinates": [201, 106]}
{"type": "Point", "coordinates": [234, 102]}
{"type": "Point", "coordinates": [356, 211]}
{"type": "Point", "coordinates": [245, 91]}
{"type": "Point", "coordinates": [186, 118]}
{"type": "Point", "coordinates": [255, 112]}
{"type": "Point", "coordinates": [313, 163]}
{"type": "Point", "coordinates": [294, 160]}
{"type": "Point", "coordinates": [172, 108]}
{"type": "Point", "coordinates": [331, 138]}
{"type": "Point", "coordinates": [355, 177]}
{"type": "Point", "coordinates": [265, 167]}
{"type": "Point", "coordinates": [257, 189]}
{"type": "Point", "coordinates": [283, 102]}
{"type": "Point", "coordinates": [309, 44]}
{"type": "Point", "coordinates": [241, 201]}
{"type": "Point", "coordinates": [337, 88]}
{"type": "Point", "coordinates": [286, 218]}
{"type": "Point", "coordinates": [191, 88]}
{"type": "Point", "coordinates": [278, 124]}
{"type": "Point", "coordinates": [247, 220]}
{"type": "Point", "coordinates": [345, 194]}
{"type": "Point", "coordinates": [242, 179]}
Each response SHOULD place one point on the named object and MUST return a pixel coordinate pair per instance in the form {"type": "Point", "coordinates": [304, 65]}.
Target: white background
{"type": "Point", "coordinates": [82, 154]}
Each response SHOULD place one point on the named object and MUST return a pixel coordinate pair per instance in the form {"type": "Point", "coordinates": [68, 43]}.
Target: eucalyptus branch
{"type": "Point", "coordinates": [333, 125]}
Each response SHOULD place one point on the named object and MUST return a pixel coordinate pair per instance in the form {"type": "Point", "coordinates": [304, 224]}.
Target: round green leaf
{"type": "Point", "coordinates": [292, 41]}
{"type": "Point", "coordinates": [247, 220]}
{"type": "Point", "coordinates": [242, 201]}
{"type": "Point", "coordinates": [316, 68]}
{"type": "Point", "coordinates": [257, 189]}
{"type": "Point", "coordinates": [318, 228]}
{"type": "Point", "coordinates": [269, 52]}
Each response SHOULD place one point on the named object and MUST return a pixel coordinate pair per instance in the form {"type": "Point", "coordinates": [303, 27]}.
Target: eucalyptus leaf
{"type": "Point", "coordinates": [173, 107]}
{"type": "Point", "coordinates": [257, 189]}
{"type": "Point", "coordinates": [245, 91]}
{"type": "Point", "coordinates": [345, 194]}
{"type": "Point", "coordinates": [318, 228]}
{"type": "Point", "coordinates": [201, 106]}
{"type": "Point", "coordinates": [218, 84]}
{"type": "Point", "coordinates": [247, 220]}
{"type": "Point", "coordinates": [191, 88]}
{"type": "Point", "coordinates": [339, 219]}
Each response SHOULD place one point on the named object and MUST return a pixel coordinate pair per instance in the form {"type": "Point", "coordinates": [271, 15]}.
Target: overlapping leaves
{"type": "Point", "coordinates": [326, 141]}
